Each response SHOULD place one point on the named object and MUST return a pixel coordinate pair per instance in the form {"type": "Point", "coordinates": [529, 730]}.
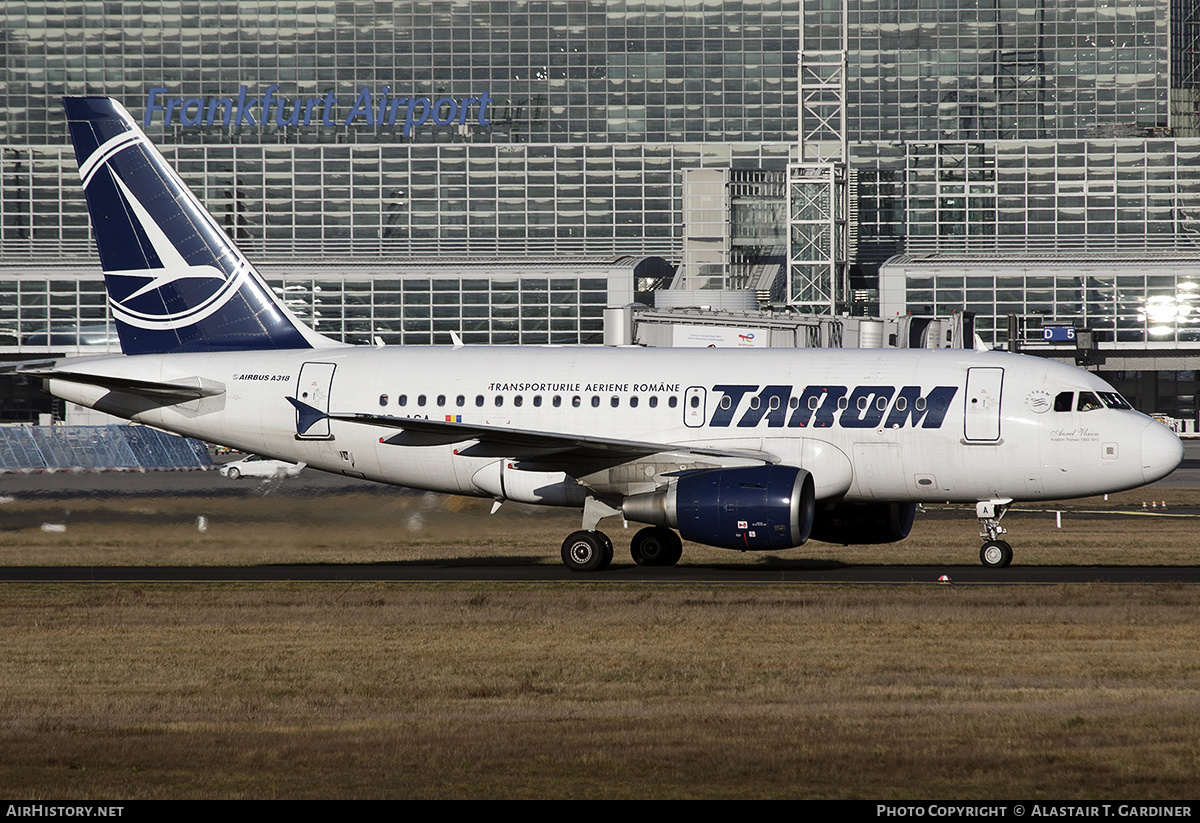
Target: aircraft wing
{"type": "Point", "coordinates": [525, 444]}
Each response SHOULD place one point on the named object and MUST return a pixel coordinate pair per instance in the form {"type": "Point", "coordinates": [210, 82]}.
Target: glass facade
{"type": "Point", "coordinates": [1185, 68]}
{"type": "Point", "coordinates": [382, 201]}
{"type": "Point", "coordinates": [538, 303]}
{"type": "Point", "coordinates": [535, 305]}
{"type": "Point", "coordinates": [396, 133]}
{"type": "Point", "coordinates": [1140, 302]}
{"type": "Point", "coordinates": [595, 110]}
{"type": "Point", "coordinates": [1028, 196]}
{"type": "Point", "coordinates": [1002, 69]}
{"type": "Point", "coordinates": [577, 71]}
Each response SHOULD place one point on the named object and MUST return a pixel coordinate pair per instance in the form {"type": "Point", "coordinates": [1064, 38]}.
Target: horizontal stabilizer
{"type": "Point", "coordinates": [170, 391]}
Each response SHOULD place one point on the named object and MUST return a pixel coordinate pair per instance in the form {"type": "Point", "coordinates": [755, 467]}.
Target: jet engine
{"type": "Point", "coordinates": [756, 508]}
{"type": "Point", "coordinates": [863, 523]}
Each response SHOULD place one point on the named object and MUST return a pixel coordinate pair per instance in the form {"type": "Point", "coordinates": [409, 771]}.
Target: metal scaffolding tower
{"type": "Point", "coordinates": [818, 185]}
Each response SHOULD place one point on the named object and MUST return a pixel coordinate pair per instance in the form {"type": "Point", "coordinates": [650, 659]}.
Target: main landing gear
{"type": "Point", "coordinates": [656, 546]}
{"type": "Point", "coordinates": [587, 551]}
{"type": "Point", "coordinates": [996, 553]}
{"type": "Point", "coordinates": [592, 551]}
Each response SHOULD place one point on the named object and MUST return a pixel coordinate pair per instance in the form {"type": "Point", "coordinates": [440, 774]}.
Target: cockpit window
{"type": "Point", "coordinates": [1064, 402]}
{"type": "Point", "coordinates": [1114, 400]}
{"type": "Point", "coordinates": [1088, 401]}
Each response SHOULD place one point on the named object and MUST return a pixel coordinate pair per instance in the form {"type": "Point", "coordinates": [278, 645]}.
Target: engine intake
{"type": "Point", "coordinates": [758, 508]}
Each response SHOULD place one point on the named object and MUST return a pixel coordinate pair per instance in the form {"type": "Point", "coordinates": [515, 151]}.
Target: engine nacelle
{"type": "Point", "coordinates": [758, 508]}
{"type": "Point", "coordinates": [863, 523]}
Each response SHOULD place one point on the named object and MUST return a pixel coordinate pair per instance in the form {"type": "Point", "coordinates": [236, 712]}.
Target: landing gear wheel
{"type": "Point", "coordinates": [585, 551]}
{"type": "Point", "coordinates": [656, 546]}
{"type": "Point", "coordinates": [996, 554]}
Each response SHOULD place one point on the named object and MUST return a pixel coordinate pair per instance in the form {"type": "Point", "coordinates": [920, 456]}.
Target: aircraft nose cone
{"type": "Point", "coordinates": [1162, 451]}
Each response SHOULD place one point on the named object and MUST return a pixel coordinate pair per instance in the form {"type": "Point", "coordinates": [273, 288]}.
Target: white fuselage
{"type": "Point", "coordinates": [730, 448]}
{"type": "Point", "coordinates": [998, 434]}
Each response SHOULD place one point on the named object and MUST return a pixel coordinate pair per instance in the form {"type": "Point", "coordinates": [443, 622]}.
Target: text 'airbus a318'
{"type": "Point", "coordinates": [745, 450]}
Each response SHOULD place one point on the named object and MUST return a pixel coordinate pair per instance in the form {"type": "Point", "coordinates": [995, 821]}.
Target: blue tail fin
{"type": "Point", "coordinates": [175, 281]}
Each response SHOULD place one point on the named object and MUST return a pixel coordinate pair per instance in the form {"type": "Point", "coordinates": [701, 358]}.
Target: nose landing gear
{"type": "Point", "coordinates": [996, 553]}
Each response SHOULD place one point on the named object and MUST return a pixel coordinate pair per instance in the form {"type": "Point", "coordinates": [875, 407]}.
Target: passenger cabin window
{"type": "Point", "coordinates": [672, 401]}
{"type": "Point", "coordinates": [383, 399]}
{"type": "Point", "coordinates": [402, 400]}
{"type": "Point", "coordinates": [420, 400]}
{"type": "Point", "coordinates": [654, 401]}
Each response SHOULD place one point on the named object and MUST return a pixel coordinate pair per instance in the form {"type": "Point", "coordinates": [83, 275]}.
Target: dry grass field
{"type": "Point", "coordinates": [583, 691]}
{"type": "Point", "coordinates": [375, 527]}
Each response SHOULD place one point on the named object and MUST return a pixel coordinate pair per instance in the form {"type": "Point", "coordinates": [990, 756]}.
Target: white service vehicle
{"type": "Point", "coordinates": [258, 466]}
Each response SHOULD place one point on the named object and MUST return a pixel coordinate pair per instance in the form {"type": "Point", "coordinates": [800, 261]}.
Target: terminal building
{"type": "Point", "coordinates": [516, 172]}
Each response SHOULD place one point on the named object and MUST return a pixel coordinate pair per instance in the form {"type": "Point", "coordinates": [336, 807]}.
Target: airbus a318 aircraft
{"type": "Point", "coordinates": [745, 450]}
